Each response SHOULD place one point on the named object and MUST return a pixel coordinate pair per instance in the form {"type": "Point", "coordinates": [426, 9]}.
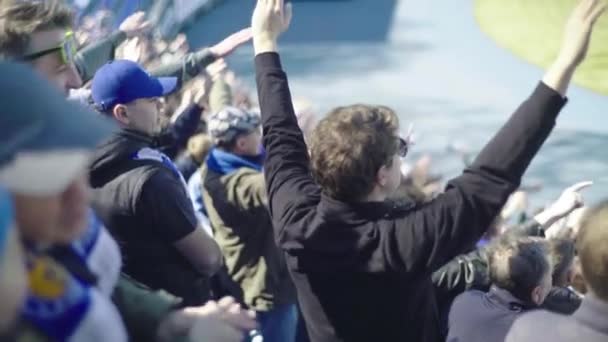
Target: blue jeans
{"type": "Point", "coordinates": [279, 324]}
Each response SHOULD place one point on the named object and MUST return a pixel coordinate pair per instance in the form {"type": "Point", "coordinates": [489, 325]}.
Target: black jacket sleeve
{"type": "Point", "coordinates": [427, 237]}
{"type": "Point", "coordinates": [286, 168]}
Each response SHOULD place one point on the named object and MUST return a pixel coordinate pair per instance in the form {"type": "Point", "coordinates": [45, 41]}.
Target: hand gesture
{"type": "Point", "coordinates": [224, 321]}
{"type": "Point", "coordinates": [578, 32]}
{"type": "Point", "coordinates": [231, 43]}
{"type": "Point", "coordinates": [569, 200]}
{"type": "Point", "coordinates": [131, 50]}
{"type": "Point", "coordinates": [270, 19]}
{"type": "Point", "coordinates": [135, 25]}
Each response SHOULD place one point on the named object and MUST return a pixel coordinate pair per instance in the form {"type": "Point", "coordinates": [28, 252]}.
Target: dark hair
{"type": "Point", "coordinates": [518, 265]}
{"type": "Point", "coordinates": [591, 245]}
{"type": "Point", "coordinates": [349, 146]}
{"type": "Point", "coordinates": [562, 254]}
{"type": "Point", "coordinates": [20, 19]}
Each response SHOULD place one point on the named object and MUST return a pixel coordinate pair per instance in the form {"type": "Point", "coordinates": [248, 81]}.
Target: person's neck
{"type": "Point", "coordinates": [377, 195]}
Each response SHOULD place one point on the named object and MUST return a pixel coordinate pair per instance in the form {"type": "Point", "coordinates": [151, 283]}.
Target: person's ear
{"type": "Point", "coordinates": [239, 143]}
{"type": "Point", "coordinates": [382, 176]}
{"type": "Point", "coordinates": [120, 113]}
{"type": "Point", "coordinates": [537, 295]}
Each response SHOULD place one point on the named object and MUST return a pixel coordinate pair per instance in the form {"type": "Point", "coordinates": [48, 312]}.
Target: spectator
{"type": "Point", "coordinates": [145, 313]}
{"type": "Point", "coordinates": [73, 130]}
{"type": "Point", "coordinates": [139, 193]}
{"type": "Point", "coordinates": [520, 272]}
{"type": "Point", "coordinates": [589, 322]}
{"type": "Point", "coordinates": [59, 138]}
{"type": "Point", "coordinates": [471, 270]}
{"type": "Point", "coordinates": [38, 32]}
{"type": "Point", "coordinates": [234, 192]}
{"type": "Point", "coordinates": [361, 266]}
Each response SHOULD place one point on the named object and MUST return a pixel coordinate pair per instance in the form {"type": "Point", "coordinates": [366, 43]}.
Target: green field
{"type": "Point", "coordinates": [532, 30]}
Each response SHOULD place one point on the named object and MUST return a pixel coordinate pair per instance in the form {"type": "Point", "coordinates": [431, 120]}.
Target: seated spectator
{"type": "Point", "coordinates": [590, 322]}
{"type": "Point", "coordinates": [520, 273]}
{"type": "Point", "coordinates": [362, 266]}
{"type": "Point", "coordinates": [234, 194]}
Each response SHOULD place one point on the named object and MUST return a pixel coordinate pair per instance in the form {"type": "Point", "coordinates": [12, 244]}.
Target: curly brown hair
{"type": "Point", "coordinates": [20, 19]}
{"type": "Point", "coordinates": [349, 146]}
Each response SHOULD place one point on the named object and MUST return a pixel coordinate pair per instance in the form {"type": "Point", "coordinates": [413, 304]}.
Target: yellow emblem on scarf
{"type": "Point", "coordinates": [47, 279]}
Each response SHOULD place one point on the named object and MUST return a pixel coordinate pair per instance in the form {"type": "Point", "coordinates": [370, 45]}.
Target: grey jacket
{"type": "Point", "coordinates": [589, 324]}
{"type": "Point", "coordinates": [478, 316]}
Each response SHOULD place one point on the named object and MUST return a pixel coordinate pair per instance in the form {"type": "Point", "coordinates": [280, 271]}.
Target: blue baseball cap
{"type": "Point", "coordinates": [124, 81]}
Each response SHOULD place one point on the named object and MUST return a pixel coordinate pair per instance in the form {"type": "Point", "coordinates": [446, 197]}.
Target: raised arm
{"type": "Point", "coordinates": [94, 56]}
{"type": "Point", "coordinates": [194, 63]}
{"type": "Point", "coordinates": [287, 165]}
{"type": "Point", "coordinates": [428, 237]}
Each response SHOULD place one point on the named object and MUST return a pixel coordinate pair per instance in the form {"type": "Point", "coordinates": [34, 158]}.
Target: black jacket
{"type": "Point", "coordinates": [144, 204]}
{"type": "Point", "coordinates": [363, 270]}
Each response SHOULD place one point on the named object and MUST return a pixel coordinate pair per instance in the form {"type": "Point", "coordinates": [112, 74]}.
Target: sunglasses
{"type": "Point", "coordinates": [68, 50]}
{"type": "Point", "coordinates": [405, 143]}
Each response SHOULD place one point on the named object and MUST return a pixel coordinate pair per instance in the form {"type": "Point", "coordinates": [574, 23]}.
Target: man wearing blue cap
{"type": "Point", "coordinates": [140, 195]}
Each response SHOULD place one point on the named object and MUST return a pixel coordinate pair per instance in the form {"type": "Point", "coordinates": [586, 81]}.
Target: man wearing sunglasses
{"type": "Point", "coordinates": [40, 33]}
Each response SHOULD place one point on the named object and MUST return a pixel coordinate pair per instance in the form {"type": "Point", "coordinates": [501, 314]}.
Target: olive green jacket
{"type": "Point", "coordinates": [236, 205]}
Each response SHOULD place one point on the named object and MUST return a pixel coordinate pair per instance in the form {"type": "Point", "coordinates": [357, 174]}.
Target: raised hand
{"type": "Point", "coordinates": [231, 43]}
{"type": "Point", "coordinates": [567, 202]}
{"type": "Point", "coordinates": [570, 199]}
{"type": "Point", "coordinates": [270, 19]}
{"type": "Point", "coordinates": [575, 44]}
{"type": "Point", "coordinates": [135, 25]}
{"type": "Point", "coordinates": [222, 321]}
{"type": "Point", "coordinates": [578, 32]}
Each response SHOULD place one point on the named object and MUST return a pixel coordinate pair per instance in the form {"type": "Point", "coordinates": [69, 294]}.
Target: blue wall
{"type": "Point", "coordinates": [315, 21]}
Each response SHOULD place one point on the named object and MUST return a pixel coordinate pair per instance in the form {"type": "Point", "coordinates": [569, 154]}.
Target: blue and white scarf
{"type": "Point", "coordinates": [225, 162]}
{"type": "Point", "coordinates": [66, 309]}
{"type": "Point", "coordinates": [101, 253]}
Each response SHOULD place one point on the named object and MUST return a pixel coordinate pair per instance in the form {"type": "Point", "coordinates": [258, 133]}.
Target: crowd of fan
{"type": "Point", "coordinates": [146, 196]}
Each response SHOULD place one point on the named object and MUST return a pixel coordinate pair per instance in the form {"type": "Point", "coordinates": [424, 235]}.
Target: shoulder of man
{"type": "Point", "coordinates": [534, 325]}
{"type": "Point", "coordinates": [248, 185]}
